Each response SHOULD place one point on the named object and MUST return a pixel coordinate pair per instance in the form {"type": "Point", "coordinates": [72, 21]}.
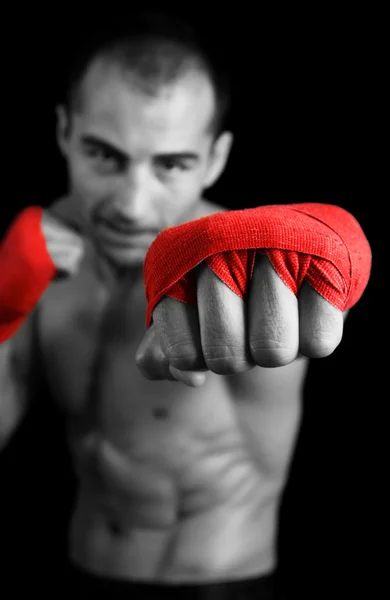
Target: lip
{"type": "Point", "coordinates": [123, 236]}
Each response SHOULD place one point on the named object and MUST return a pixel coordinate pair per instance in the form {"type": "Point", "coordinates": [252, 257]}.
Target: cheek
{"type": "Point", "coordinates": [180, 197]}
{"type": "Point", "coordinates": [186, 188]}
{"type": "Point", "coordinates": [83, 178]}
{"type": "Point", "coordinates": [89, 187]}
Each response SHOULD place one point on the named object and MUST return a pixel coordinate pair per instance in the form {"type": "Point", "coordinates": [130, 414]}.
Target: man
{"type": "Point", "coordinates": [179, 486]}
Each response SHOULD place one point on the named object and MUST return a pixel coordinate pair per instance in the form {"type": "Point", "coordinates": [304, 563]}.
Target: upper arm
{"type": "Point", "coordinates": [16, 379]}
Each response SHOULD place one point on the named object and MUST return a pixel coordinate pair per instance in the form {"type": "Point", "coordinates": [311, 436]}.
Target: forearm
{"type": "Point", "coordinates": [13, 395]}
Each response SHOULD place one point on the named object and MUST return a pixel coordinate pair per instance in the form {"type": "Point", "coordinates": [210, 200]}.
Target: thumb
{"type": "Point", "coordinates": [190, 378]}
{"type": "Point", "coordinates": [153, 364]}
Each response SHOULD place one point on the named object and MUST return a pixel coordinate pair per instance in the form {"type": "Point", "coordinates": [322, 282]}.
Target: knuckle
{"type": "Point", "coordinates": [140, 357]}
{"type": "Point", "coordinates": [221, 360]}
{"type": "Point", "coordinates": [319, 345]}
{"type": "Point", "coordinates": [145, 354]}
{"type": "Point", "coordinates": [226, 366]}
{"type": "Point", "coordinates": [184, 356]}
{"type": "Point", "coordinates": [150, 365]}
{"type": "Point", "coordinates": [272, 353]}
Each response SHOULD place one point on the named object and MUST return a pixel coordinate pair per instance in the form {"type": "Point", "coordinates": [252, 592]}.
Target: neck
{"type": "Point", "coordinates": [113, 275]}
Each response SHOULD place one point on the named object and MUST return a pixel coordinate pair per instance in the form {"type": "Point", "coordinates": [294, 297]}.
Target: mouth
{"type": "Point", "coordinates": [121, 235]}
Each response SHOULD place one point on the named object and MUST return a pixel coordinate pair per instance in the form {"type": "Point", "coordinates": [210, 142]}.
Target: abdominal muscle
{"type": "Point", "coordinates": [171, 484]}
{"type": "Point", "coordinates": [155, 542]}
{"type": "Point", "coordinates": [170, 502]}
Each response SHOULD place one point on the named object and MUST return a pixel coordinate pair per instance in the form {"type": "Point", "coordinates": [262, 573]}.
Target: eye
{"type": "Point", "coordinates": [101, 153]}
{"type": "Point", "coordinates": [171, 165]}
{"type": "Point", "coordinates": [104, 158]}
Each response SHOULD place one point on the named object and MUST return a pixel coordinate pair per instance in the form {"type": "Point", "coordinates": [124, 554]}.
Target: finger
{"type": "Point", "coordinates": [177, 324]}
{"type": "Point", "coordinates": [190, 378]}
{"type": "Point", "coordinates": [65, 257]}
{"type": "Point", "coordinates": [150, 358]}
{"type": "Point", "coordinates": [320, 324]}
{"type": "Point", "coordinates": [273, 317]}
{"type": "Point", "coordinates": [222, 325]}
{"type": "Point", "coordinates": [153, 364]}
{"type": "Point", "coordinates": [59, 233]}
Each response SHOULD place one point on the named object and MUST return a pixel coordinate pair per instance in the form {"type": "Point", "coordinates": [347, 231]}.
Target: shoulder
{"type": "Point", "coordinates": [206, 208]}
{"type": "Point", "coordinates": [203, 208]}
{"type": "Point", "coordinates": [65, 209]}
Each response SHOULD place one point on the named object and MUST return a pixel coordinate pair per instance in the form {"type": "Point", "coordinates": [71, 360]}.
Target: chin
{"type": "Point", "coordinates": [128, 258]}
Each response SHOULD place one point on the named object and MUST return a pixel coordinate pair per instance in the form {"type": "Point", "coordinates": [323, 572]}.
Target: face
{"type": "Point", "coordinates": [139, 163]}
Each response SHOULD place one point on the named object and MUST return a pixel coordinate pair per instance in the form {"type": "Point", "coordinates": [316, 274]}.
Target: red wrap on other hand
{"type": "Point", "coordinates": [26, 270]}
{"type": "Point", "coordinates": [320, 243]}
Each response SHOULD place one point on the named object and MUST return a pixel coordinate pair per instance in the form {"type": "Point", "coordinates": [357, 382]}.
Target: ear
{"type": "Point", "coordinates": [62, 130]}
{"type": "Point", "coordinates": [219, 157]}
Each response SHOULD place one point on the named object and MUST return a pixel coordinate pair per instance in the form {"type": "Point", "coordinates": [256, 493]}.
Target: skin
{"type": "Point", "coordinates": [139, 161]}
{"type": "Point", "coordinates": [175, 483]}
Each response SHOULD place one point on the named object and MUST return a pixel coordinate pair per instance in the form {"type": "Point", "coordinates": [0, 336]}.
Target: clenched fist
{"type": "Point", "coordinates": [256, 287]}
{"type": "Point", "coordinates": [38, 246]}
{"type": "Point", "coordinates": [64, 244]}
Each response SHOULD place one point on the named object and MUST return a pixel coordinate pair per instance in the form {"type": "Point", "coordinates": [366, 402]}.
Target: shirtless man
{"type": "Point", "coordinates": [179, 486]}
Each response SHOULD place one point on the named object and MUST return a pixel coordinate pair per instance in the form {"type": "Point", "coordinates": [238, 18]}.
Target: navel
{"type": "Point", "coordinates": [115, 529]}
{"type": "Point", "coordinates": [160, 412]}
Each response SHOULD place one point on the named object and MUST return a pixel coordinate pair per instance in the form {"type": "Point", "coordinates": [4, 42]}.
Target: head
{"type": "Point", "coordinates": [142, 132]}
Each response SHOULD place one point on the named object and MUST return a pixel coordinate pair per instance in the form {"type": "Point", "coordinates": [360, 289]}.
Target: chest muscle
{"type": "Point", "coordinates": [89, 343]}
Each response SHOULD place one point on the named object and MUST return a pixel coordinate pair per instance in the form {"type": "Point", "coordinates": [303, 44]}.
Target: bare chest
{"type": "Point", "coordinates": [89, 340]}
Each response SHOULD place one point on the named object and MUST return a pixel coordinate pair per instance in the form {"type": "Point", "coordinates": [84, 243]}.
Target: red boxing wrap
{"type": "Point", "coordinates": [320, 243]}
{"type": "Point", "coordinates": [26, 270]}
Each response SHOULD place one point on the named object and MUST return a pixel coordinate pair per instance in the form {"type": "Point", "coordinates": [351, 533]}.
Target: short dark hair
{"type": "Point", "coordinates": [156, 48]}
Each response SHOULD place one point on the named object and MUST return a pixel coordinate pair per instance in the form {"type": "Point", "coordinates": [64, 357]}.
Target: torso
{"type": "Point", "coordinates": [175, 483]}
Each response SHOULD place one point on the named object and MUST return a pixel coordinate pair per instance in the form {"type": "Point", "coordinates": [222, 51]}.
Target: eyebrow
{"type": "Point", "coordinates": [181, 155]}
{"type": "Point", "coordinates": [96, 141]}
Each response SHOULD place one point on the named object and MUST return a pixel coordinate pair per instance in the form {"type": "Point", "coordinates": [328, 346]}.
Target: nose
{"type": "Point", "coordinates": [133, 200]}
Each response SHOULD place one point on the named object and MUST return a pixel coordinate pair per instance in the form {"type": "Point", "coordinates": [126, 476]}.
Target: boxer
{"type": "Point", "coordinates": [175, 334]}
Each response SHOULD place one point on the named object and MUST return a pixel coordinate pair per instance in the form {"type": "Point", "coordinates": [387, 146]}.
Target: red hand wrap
{"type": "Point", "coordinates": [321, 243]}
{"type": "Point", "coordinates": [26, 270]}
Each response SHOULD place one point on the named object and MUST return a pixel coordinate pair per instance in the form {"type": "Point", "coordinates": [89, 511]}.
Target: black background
{"type": "Point", "coordinates": [308, 122]}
